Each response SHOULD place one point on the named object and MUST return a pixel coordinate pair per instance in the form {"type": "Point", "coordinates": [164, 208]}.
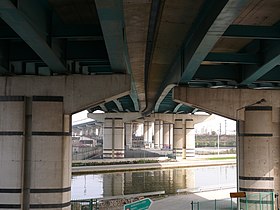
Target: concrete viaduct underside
{"type": "Point", "coordinates": [146, 58]}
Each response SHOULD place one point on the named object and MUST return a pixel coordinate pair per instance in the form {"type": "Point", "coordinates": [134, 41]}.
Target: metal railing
{"type": "Point", "coordinates": [214, 205]}
{"type": "Point", "coordinates": [111, 201]}
{"type": "Point", "coordinates": [252, 201]}
{"type": "Point", "coordinates": [88, 204]}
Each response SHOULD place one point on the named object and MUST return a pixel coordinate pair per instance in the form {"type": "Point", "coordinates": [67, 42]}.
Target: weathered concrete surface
{"type": "Point", "coordinates": [79, 92]}
{"type": "Point", "coordinates": [226, 102]}
{"type": "Point", "coordinates": [259, 151]}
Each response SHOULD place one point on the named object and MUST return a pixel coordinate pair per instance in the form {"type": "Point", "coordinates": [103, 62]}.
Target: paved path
{"type": "Point", "coordinates": [206, 200]}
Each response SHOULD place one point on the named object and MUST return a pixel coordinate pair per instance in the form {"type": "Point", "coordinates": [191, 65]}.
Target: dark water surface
{"type": "Point", "coordinates": [169, 180]}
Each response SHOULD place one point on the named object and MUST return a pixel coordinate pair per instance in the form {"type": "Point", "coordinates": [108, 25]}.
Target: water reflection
{"type": "Point", "coordinates": [169, 180]}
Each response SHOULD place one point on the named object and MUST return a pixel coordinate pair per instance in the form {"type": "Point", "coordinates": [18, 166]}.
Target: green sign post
{"type": "Point", "coordinates": [143, 204]}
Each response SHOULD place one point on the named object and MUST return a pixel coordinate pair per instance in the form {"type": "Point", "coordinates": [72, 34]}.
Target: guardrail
{"type": "Point", "coordinates": [111, 201]}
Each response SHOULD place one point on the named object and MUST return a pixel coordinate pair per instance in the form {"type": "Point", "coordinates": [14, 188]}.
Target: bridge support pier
{"type": "Point", "coordinates": [158, 134]}
{"type": "Point", "coordinates": [167, 135]}
{"type": "Point", "coordinates": [178, 139]}
{"type": "Point", "coordinates": [259, 141]}
{"type": "Point", "coordinates": [113, 143]}
{"type": "Point", "coordinates": [35, 153]}
{"type": "Point", "coordinates": [148, 134]}
{"type": "Point", "coordinates": [128, 129]}
{"type": "Point", "coordinates": [258, 151]}
{"type": "Point", "coordinates": [190, 138]}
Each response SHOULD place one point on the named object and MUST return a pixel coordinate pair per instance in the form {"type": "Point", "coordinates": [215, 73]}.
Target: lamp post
{"type": "Point", "coordinates": [218, 140]}
{"type": "Point", "coordinates": [218, 143]}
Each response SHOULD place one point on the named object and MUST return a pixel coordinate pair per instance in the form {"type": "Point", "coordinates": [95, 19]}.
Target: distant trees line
{"type": "Point", "coordinates": [211, 140]}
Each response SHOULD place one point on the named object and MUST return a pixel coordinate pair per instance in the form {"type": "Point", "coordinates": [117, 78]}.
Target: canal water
{"type": "Point", "coordinates": [169, 180]}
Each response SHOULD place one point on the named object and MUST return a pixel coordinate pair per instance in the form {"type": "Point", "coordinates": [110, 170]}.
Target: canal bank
{"type": "Point", "coordinates": [109, 166]}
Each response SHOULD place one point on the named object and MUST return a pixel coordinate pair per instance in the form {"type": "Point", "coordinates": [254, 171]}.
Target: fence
{"type": "Point", "coordinates": [224, 204]}
{"type": "Point", "coordinates": [252, 201]}
{"type": "Point", "coordinates": [110, 202]}
{"type": "Point", "coordinates": [88, 204]}
{"type": "Point", "coordinates": [258, 201]}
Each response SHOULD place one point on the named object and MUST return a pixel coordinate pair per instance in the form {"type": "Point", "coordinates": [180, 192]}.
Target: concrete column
{"type": "Point", "coordinates": [179, 178]}
{"type": "Point", "coordinates": [12, 129]}
{"type": "Point", "coordinates": [51, 147]}
{"type": "Point", "coordinates": [190, 138]}
{"type": "Point", "coordinates": [148, 134]}
{"type": "Point", "coordinates": [113, 184]}
{"type": "Point", "coordinates": [167, 135]}
{"type": "Point", "coordinates": [171, 135]}
{"type": "Point", "coordinates": [158, 134]}
{"type": "Point", "coordinates": [113, 140]}
{"type": "Point", "coordinates": [258, 152]}
{"type": "Point", "coordinates": [128, 134]}
{"type": "Point", "coordinates": [36, 153]}
{"type": "Point", "coordinates": [178, 139]}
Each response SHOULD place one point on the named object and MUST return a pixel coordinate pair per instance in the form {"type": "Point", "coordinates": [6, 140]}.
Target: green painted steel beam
{"type": "Point", "coordinates": [212, 21]}
{"type": "Point", "coordinates": [271, 59]}
{"type": "Point", "coordinates": [86, 50]}
{"type": "Point", "coordinates": [32, 31]}
{"type": "Point", "coordinates": [119, 105]}
{"type": "Point", "coordinates": [240, 58]}
{"type": "Point", "coordinates": [273, 75]}
{"type": "Point", "coordinates": [62, 31]}
{"type": "Point", "coordinates": [112, 23]}
{"type": "Point", "coordinates": [4, 57]}
{"type": "Point", "coordinates": [214, 72]}
{"type": "Point", "coordinates": [75, 31]}
{"type": "Point", "coordinates": [176, 109]}
{"type": "Point", "coordinates": [252, 32]}
{"type": "Point", "coordinates": [110, 13]}
{"type": "Point", "coordinates": [207, 32]}
{"type": "Point", "coordinates": [93, 51]}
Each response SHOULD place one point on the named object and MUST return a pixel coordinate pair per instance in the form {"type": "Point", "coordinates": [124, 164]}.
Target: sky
{"type": "Point", "coordinates": [218, 124]}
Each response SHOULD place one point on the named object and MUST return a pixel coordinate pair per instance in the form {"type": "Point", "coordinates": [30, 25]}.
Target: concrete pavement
{"type": "Point", "coordinates": [206, 200]}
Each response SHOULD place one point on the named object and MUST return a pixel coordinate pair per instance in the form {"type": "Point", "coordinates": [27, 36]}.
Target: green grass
{"type": "Point", "coordinates": [221, 158]}
{"type": "Point", "coordinates": [114, 163]}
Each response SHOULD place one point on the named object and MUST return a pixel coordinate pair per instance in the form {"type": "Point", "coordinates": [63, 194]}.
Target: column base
{"type": "Point", "coordinates": [178, 153]}
{"type": "Point", "coordinates": [113, 154]}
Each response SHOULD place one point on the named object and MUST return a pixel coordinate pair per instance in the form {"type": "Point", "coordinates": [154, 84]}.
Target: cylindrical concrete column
{"type": "Point", "coordinates": [166, 130]}
{"type": "Point", "coordinates": [158, 134]}
{"type": "Point", "coordinates": [36, 150]}
{"type": "Point", "coordinates": [190, 138]}
{"type": "Point", "coordinates": [113, 184]}
{"type": "Point", "coordinates": [167, 135]}
{"type": "Point", "coordinates": [178, 138]}
{"type": "Point", "coordinates": [128, 134]}
{"type": "Point", "coordinates": [148, 134]}
{"type": "Point", "coordinates": [171, 135]}
{"type": "Point", "coordinates": [12, 129]}
{"type": "Point", "coordinates": [50, 172]}
{"type": "Point", "coordinates": [113, 140]}
{"type": "Point", "coordinates": [258, 152]}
